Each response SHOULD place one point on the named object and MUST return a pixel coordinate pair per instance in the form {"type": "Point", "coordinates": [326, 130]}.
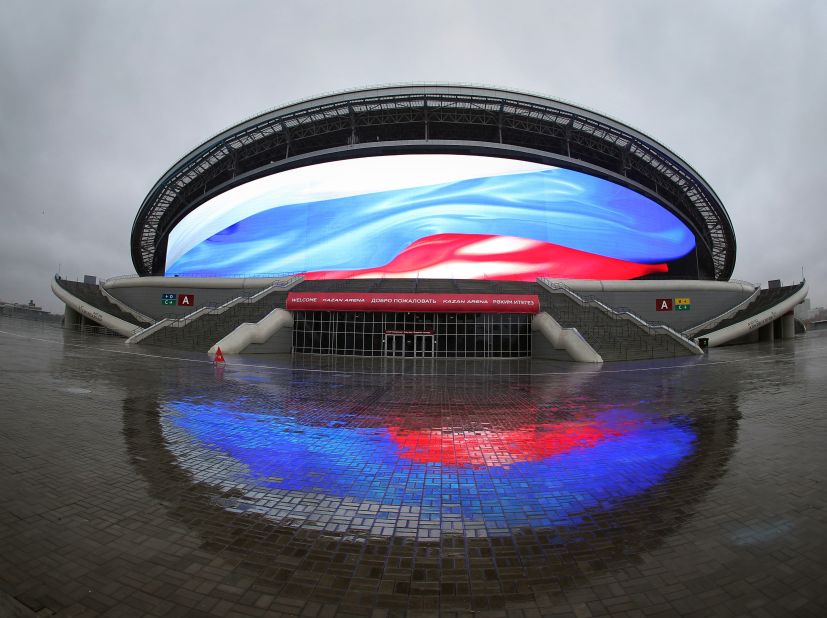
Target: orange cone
{"type": "Point", "coordinates": [219, 356]}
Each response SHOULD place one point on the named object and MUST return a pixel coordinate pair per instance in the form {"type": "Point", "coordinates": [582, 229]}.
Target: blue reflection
{"type": "Point", "coordinates": [274, 457]}
{"type": "Point", "coordinates": [556, 205]}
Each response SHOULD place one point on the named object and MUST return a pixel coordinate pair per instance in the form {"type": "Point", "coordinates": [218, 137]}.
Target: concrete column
{"type": "Point", "coordinates": [787, 326]}
{"type": "Point", "coordinates": [71, 318]}
{"type": "Point", "coordinates": [765, 332]}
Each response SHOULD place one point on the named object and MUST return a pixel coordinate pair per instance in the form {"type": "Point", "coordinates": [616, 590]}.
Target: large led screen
{"type": "Point", "coordinates": [429, 216]}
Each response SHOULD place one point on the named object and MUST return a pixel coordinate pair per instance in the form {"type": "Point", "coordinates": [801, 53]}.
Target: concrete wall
{"type": "Point", "coordinates": [71, 318]}
{"type": "Point", "coordinates": [148, 300]}
{"type": "Point", "coordinates": [705, 305]}
{"type": "Point", "coordinates": [708, 298]}
{"type": "Point", "coordinates": [144, 293]}
{"type": "Point", "coordinates": [90, 312]}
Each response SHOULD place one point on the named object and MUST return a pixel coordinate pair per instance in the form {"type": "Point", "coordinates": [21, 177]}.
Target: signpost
{"type": "Point", "coordinates": [669, 304]}
{"type": "Point", "coordinates": [182, 300]}
{"type": "Point", "coordinates": [683, 304]}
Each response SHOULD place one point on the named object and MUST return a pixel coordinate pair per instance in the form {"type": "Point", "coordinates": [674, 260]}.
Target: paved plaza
{"type": "Point", "coordinates": [141, 481]}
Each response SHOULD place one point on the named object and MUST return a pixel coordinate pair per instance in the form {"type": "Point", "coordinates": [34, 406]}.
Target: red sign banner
{"type": "Point", "coordinates": [429, 303]}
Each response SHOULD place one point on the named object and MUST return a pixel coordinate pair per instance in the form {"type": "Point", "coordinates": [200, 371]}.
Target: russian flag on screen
{"type": "Point", "coordinates": [432, 216]}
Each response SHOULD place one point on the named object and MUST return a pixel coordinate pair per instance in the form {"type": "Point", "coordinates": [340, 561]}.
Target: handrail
{"type": "Point", "coordinates": [725, 315]}
{"type": "Point", "coordinates": [105, 319]}
{"type": "Point", "coordinates": [753, 322]}
{"type": "Point", "coordinates": [146, 332]}
{"type": "Point", "coordinates": [207, 275]}
{"type": "Point", "coordinates": [88, 329]}
{"type": "Point", "coordinates": [744, 282]}
{"type": "Point", "coordinates": [119, 277]}
{"type": "Point", "coordinates": [213, 310]}
{"type": "Point", "coordinates": [661, 329]}
{"type": "Point", "coordinates": [219, 309]}
{"type": "Point", "coordinates": [123, 306]}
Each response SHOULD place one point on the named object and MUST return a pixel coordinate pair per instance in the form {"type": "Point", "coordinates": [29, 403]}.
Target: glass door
{"type": "Point", "coordinates": [423, 345]}
{"type": "Point", "coordinates": [394, 345]}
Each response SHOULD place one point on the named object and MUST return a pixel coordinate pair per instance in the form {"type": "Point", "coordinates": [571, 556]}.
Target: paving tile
{"type": "Point", "coordinates": [137, 484]}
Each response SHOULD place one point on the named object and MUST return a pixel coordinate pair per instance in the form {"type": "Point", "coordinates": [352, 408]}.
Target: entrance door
{"type": "Point", "coordinates": [423, 345]}
{"type": "Point", "coordinates": [394, 345]}
{"type": "Point", "coordinates": [409, 345]}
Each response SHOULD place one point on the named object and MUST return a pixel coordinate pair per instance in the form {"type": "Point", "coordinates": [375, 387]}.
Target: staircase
{"type": "Point", "coordinates": [616, 336]}
{"type": "Point", "coordinates": [91, 294]}
{"type": "Point", "coordinates": [202, 328]}
{"type": "Point", "coordinates": [766, 299]}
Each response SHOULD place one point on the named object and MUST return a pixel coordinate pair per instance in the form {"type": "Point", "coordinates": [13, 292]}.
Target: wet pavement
{"type": "Point", "coordinates": [140, 481]}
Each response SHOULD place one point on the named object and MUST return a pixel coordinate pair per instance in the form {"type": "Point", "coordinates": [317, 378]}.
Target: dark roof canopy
{"type": "Point", "coordinates": [433, 118]}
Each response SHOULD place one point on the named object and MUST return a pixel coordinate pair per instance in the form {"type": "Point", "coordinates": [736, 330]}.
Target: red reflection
{"type": "Point", "coordinates": [498, 448]}
{"type": "Point", "coordinates": [484, 256]}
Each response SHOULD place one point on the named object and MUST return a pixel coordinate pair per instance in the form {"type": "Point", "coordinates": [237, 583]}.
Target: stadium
{"type": "Point", "coordinates": [440, 221]}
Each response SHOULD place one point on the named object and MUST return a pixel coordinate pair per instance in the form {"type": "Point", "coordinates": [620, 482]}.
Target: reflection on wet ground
{"type": "Point", "coordinates": [139, 481]}
{"type": "Point", "coordinates": [416, 459]}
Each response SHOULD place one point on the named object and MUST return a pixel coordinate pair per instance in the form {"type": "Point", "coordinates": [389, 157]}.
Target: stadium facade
{"type": "Point", "coordinates": [434, 220]}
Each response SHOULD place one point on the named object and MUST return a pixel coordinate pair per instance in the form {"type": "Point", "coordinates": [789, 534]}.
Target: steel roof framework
{"type": "Point", "coordinates": [408, 118]}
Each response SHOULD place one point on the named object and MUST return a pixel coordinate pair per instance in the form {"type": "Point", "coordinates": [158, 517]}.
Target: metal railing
{"type": "Point", "coordinates": [215, 309]}
{"type": "Point", "coordinates": [88, 329]}
{"type": "Point", "coordinates": [123, 306]}
{"type": "Point", "coordinates": [659, 329]}
{"type": "Point", "coordinates": [761, 300]}
{"type": "Point", "coordinates": [725, 315]}
{"type": "Point", "coordinates": [208, 275]}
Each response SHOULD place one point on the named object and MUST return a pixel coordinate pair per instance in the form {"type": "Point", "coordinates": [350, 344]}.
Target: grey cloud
{"type": "Point", "coordinates": [98, 99]}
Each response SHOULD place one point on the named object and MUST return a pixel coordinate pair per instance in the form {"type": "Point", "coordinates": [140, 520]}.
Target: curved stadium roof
{"type": "Point", "coordinates": [433, 118]}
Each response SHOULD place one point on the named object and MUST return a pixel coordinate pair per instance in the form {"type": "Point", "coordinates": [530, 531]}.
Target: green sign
{"type": "Point", "coordinates": [683, 304]}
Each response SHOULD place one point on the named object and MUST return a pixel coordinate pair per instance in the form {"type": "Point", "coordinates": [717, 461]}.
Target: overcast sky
{"type": "Point", "coordinates": [99, 99]}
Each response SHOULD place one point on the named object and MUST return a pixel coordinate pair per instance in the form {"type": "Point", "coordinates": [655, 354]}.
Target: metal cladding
{"type": "Point", "coordinates": [434, 119]}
